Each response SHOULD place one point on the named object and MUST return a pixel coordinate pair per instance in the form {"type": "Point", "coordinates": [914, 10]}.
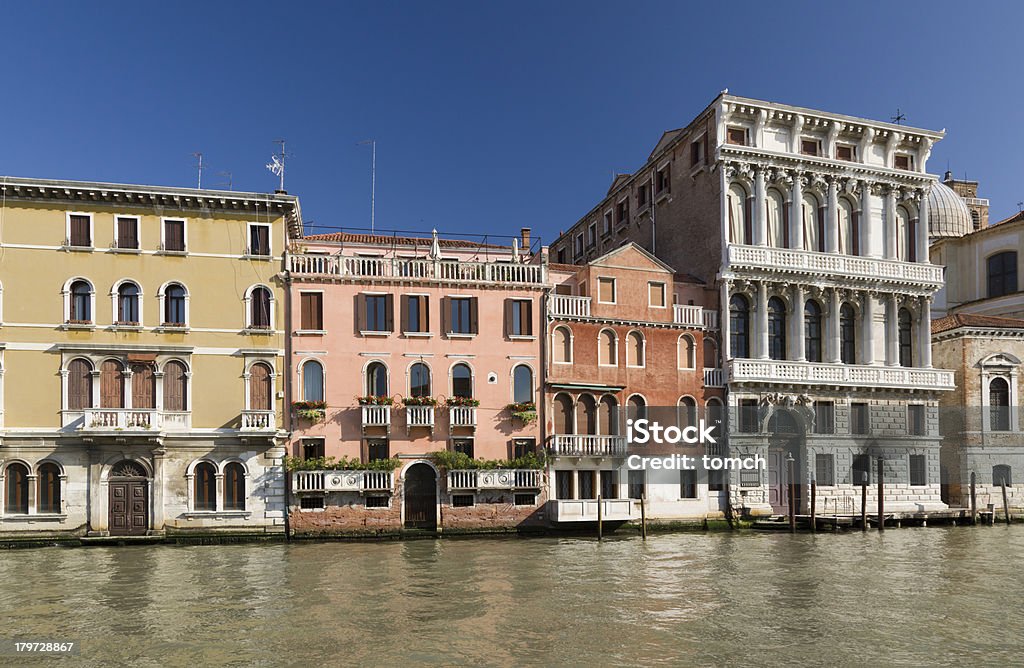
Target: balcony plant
{"type": "Point", "coordinates": [375, 400]}
{"type": "Point", "coordinates": [462, 401]}
{"type": "Point", "coordinates": [524, 411]}
{"type": "Point", "coordinates": [343, 464]}
{"type": "Point", "coordinates": [313, 411]}
{"type": "Point", "coordinates": [419, 401]}
{"type": "Point", "coordinates": [456, 461]}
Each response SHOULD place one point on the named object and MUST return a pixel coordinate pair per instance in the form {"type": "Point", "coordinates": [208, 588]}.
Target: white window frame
{"type": "Point", "coordinates": [117, 232]}
{"type": "Point", "coordinates": [115, 311]}
{"type": "Point", "coordinates": [301, 378]}
{"type": "Point", "coordinates": [615, 290]}
{"type": "Point", "coordinates": [512, 382]}
{"type": "Point", "coordinates": [323, 321]}
{"type": "Point", "coordinates": [572, 345]}
{"type": "Point", "coordinates": [248, 240]}
{"type": "Point", "coordinates": [615, 348]}
{"type": "Point", "coordinates": [642, 350]}
{"type": "Point", "coordinates": [67, 230]}
{"type": "Point", "coordinates": [451, 378]}
{"type": "Point", "coordinates": [664, 294]}
{"type": "Point", "coordinates": [160, 298]}
{"type": "Point", "coordinates": [163, 235]}
{"type": "Point", "coordinates": [66, 294]}
{"type": "Point", "coordinates": [247, 301]}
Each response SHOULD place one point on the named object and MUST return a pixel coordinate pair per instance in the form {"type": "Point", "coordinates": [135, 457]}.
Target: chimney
{"type": "Point", "coordinates": [525, 232]}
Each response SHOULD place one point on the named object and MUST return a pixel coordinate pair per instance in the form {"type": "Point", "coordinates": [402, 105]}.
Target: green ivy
{"type": "Point", "coordinates": [343, 464]}
{"type": "Point", "coordinates": [452, 461]}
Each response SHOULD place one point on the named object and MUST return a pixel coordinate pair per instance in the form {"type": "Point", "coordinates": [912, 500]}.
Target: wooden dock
{"type": "Point", "coordinates": [834, 522]}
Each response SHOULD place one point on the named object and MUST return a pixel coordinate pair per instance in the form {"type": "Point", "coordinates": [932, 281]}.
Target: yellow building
{"type": "Point", "coordinates": [141, 359]}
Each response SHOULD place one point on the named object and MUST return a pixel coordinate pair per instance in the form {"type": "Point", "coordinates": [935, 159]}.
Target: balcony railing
{"type": "Point", "coordinates": [585, 510]}
{"type": "Point", "coordinates": [587, 445]}
{"type": "Point", "coordinates": [343, 481]}
{"type": "Point", "coordinates": [714, 377]}
{"type": "Point", "coordinates": [419, 416]}
{"type": "Point", "coordinates": [833, 265]}
{"type": "Point", "coordinates": [811, 373]}
{"type": "Point", "coordinates": [691, 316]}
{"type": "Point", "coordinates": [103, 419]}
{"type": "Point", "coordinates": [376, 416]}
{"type": "Point", "coordinates": [711, 320]}
{"type": "Point", "coordinates": [569, 306]}
{"type": "Point", "coordinates": [344, 266]}
{"type": "Point", "coordinates": [462, 416]}
{"type": "Point", "coordinates": [494, 479]}
{"type": "Point", "coordinates": [259, 420]}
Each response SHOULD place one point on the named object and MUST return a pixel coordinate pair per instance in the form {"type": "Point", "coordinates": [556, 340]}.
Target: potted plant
{"type": "Point", "coordinates": [313, 411]}
{"type": "Point", "coordinates": [419, 401]}
{"type": "Point", "coordinates": [375, 400]}
{"type": "Point", "coordinates": [462, 401]}
{"type": "Point", "coordinates": [524, 411]}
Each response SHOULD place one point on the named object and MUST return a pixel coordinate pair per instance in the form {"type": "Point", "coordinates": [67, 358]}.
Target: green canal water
{"type": "Point", "coordinates": [935, 596]}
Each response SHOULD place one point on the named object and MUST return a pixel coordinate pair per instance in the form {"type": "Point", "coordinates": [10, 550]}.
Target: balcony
{"type": "Point", "coordinates": [585, 510]}
{"type": "Point", "coordinates": [569, 306]}
{"type": "Point", "coordinates": [349, 267]}
{"type": "Point", "coordinates": [711, 320]}
{"type": "Point", "coordinates": [714, 377]}
{"type": "Point", "coordinates": [587, 445]}
{"type": "Point", "coordinates": [850, 375]}
{"type": "Point", "coordinates": [811, 265]}
{"type": "Point", "coordinates": [691, 316]}
{"type": "Point", "coordinates": [462, 416]}
{"type": "Point", "coordinates": [343, 481]}
{"type": "Point", "coordinates": [121, 419]}
{"type": "Point", "coordinates": [419, 416]}
{"type": "Point", "coordinates": [494, 479]}
{"type": "Point", "coordinates": [376, 416]}
{"type": "Point", "coordinates": [259, 420]}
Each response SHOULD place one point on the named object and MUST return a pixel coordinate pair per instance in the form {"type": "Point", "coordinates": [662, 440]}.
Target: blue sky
{"type": "Point", "coordinates": [488, 116]}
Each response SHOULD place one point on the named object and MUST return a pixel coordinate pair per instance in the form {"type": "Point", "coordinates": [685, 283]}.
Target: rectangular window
{"type": "Point", "coordinates": [311, 311]}
{"type": "Point", "coordinates": [416, 315]}
{"type": "Point", "coordinates": [656, 294]}
{"type": "Point", "coordinates": [663, 180]}
{"type": "Point", "coordinates": [844, 152]}
{"type": "Point", "coordinates": [606, 290]}
{"type": "Point", "coordinates": [915, 420]}
{"type": "Point", "coordinates": [522, 447]}
{"type": "Point", "coordinates": [902, 162]}
{"type": "Point", "coordinates": [462, 500]}
{"type": "Point", "coordinates": [609, 484]}
{"type": "Point", "coordinates": [520, 317]}
{"type": "Point", "coordinates": [377, 449]}
{"type": "Point", "coordinates": [642, 195]}
{"type": "Point", "coordinates": [637, 483]}
{"type": "Point", "coordinates": [751, 478]}
{"type": "Point", "coordinates": [462, 315]}
{"type": "Point", "coordinates": [687, 484]}
{"type": "Point", "coordinates": [860, 418]}
{"type": "Point", "coordinates": [824, 470]}
{"type": "Point", "coordinates": [809, 146]}
{"type": "Point", "coordinates": [716, 481]}
{"type": "Point", "coordinates": [586, 484]}
{"type": "Point", "coordinates": [591, 235]}
{"type": "Point", "coordinates": [918, 470]}
{"type": "Point", "coordinates": [824, 417]}
{"type": "Point", "coordinates": [561, 256]}
{"type": "Point", "coordinates": [748, 416]}
{"type": "Point", "coordinates": [607, 223]}
{"type": "Point", "coordinates": [378, 313]}
{"type": "Point", "coordinates": [736, 136]}
{"type": "Point", "coordinates": [311, 503]}
{"type": "Point", "coordinates": [860, 472]}
{"type": "Point", "coordinates": [525, 499]}
{"type": "Point", "coordinates": [312, 448]}
{"type": "Point", "coordinates": [259, 239]}
{"type": "Point", "coordinates": [579, 247]}
{"type": "Point", "coordinates": [377, 502]}
{"type": "Point", "coordinates": [563, 485]}
{"type": "Point", "coordinates": [174, 236]}
{"type": "Point", "coordinates": [128, 233]}
{"type": "Point", "coordinates": [463, 446]}
{"type": "Point", "coordinates": [623, 212]}
{"type": "Point", "coordinates": [696, 152]}
{"type": "Point", "coordinates": [80, 234]}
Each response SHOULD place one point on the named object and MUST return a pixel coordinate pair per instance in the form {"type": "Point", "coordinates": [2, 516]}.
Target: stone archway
{"type": "Point", "coordinates": [420, 495]}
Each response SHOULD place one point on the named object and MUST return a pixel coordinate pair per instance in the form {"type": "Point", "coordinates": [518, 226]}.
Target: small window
{"type": "Point", "coordinates": [463, 446]}
{"type": "Point", "coordinates": [520, 317]}
{"type": "Point", "coordinates": [656, 294]}
{"type": "Point", "coordinates": [16, 490]}
{"type": "Point", "coordinates": [578, 255]}
{"type": "Point", "coordinates": [687, 484]}
{"type": "Point", "coordinates": [809, 146]}
{"type": "Point", "coordinates": [635, 353]}
{"type": "Point", "coordinates": [609, 484]}
{"type": "Point", "coordinates": [903, 161]}
{"type": "Point", "coordinates": [607, 223]}
{"type": "Point", "coordinates": [915, 420]}
{"type": "Point", "coordinates": [918, 470]}
{"type": "Point", "coordinates": [637, 484]}
{"type": "Point", "coordinates": [824, 417]}
{"type": "Point", "coordinates": [750, 478]}
{"type": "Point", "coordinates": [417, 314]}
{"type": "Point", "coordinates": [174, 236]}
{"type": "Point", "coordinates": [128, 304]}
{"type": "Point", "coordinates": [824, 470]}
{"type": "Point", "coordinates": [377, 449]}
{"type": "Point", "coordinates": [205, 480]}
{"type": "Point", "coordinates": [80, 231]}
{"type": "Point", "coordinates": [462, 500]}
{"type": "Point", "coordinates": [860, 417]}
{"type": "Point", "coordinates": [563, 484]}
{"type": "Point", "coordinates": [1002, 274]}
{"type": "Point", "coordinates": [127, 233]}
{"type": "Point", "coordinates": [736, 136]}
{"type": "Point", "coordinates": [623, 212]}
{"type": "Point", "coordinates": [174, 306]}
{"type": "Point", "coordinates": [49, 489]}
{"type": "Point", "coordinates": [521, 447]}
{"type": "Point", "coordinates": [377, 502]}
{"type": "Point", "coordinates": [697, 152]}
{"type": "Point", "coordinates": [522, 384]}
{"type": "Point", "coordinates": [999, 404]}
{"type": "Point", "coordinates": [311, 503]}
{"type": "Point", "coordinates": [748, 416]}
{"type": "Point", "coordinates": [378, 313]}
{"type": "Point", "coordinates": [80, 308]}
{"type": "Point", "coordinates": [643, 195]}
{"type": "Point", "coordinates": [259, 315]}
{"type": "Point", "coordinates": [419, 380]}
{"type": "Point", "coordinates": [234, 487]}
{"type": "Point", "coordinates": [606, 290]}
{"type": "Point", "coordinates": [591, 235]}
{"type": "Point", "coordinates": [462, 315]}
{"type": "Point", "coordinates": [716, 481]}
{"type": "Point", "coordinates": [312, 448]}
{"type": "Point", "coordinates": [312, 381]}
{"type": "Point", "coordinates": [844, 152]}
{"type": "Point", "coordinates": [311, 307]}
{"type": "Point", "coordinates": [904, 326]}
{"type": "Point", "coordinates": [525, 499]}
{"type": "Point", "coordinates": [259, 240]}
{"type": "Point", "coordinates": [585, 484]}
{"type": "Point", "coordinates": [561, 256]}
{"type": "Point", "coordinates": [860, 472]}
{"type": "Point", "coordinates": [1001, 475]}
{"type": "Point", "coordinates": [663, 179]}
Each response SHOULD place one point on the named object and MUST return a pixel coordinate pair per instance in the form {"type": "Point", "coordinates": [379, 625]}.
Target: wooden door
{"type": "Point", "coordinates": [111, 385]}
{"type": "Point", "coordinates": [129, 507]}
{"type": "Point", "coordinates": [421, 497]}
{"type": "Point", "coordinates": [777, 481]}
{"type": "Point", "coordinates": [143, 386]}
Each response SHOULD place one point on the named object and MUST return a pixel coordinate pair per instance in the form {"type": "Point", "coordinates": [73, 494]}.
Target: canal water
{"type": "Point", "coordinates": [935, 596]}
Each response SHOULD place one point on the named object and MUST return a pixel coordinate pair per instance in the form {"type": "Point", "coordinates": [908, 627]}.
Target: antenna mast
{"type": "Point", "coordinates": [199, 156]}
{"type": "Point", "coordinates": [276, 164]}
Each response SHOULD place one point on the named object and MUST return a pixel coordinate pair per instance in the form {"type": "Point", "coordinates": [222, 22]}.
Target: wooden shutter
{"type": "Point", "coordinates": [474, 326]}
{"type": "Point", "coordinates": [260, 390]}
{"type": "Point", "coordinates": [311, 311]}
{"type": "Point", "coordinates": [509, 317]}
{"type": "Point", "coordinates": [360, 312]}
{"type": "Point", "coordinates": [127, 233]}
{"type": "Point", "coordinates": [80, 231]}
{"type": "Point", "coordinates": [174, 235]}
{"type": "Point", "coordinates": [175, 386]}
{"type": "Point", "coordinates": [79, 385]}
{"type": "Point", "coordinates": [111, 385]}
{"type": "Point", "coordinates": [318, 310]}
{"type": "Point", "coordinates": [403, 312]}
{"type": "Point", "coordinates": [143, 386]}
{"type": "Point", "coordinates": [446, 314]}
{"type": "Point", "coordinates": [424, 314]}
{"type": "Point", "coordinates": [389, 312]}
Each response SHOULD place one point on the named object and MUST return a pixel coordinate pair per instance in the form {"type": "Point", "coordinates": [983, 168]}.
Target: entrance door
{"type": "Point", "coordinates": [420, 497]}
{"type": "Point", "coordinates": [777, 481]}
{"type": "Point", "coordinates": [785, 441]}
{"type": "Point", "coordinates": [129, 507]}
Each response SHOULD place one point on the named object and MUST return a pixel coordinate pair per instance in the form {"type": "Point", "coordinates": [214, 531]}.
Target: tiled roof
{"type": "Point", "coordinates": [971, 320]}
{"type": "Point", "coordinates": [389, 240]}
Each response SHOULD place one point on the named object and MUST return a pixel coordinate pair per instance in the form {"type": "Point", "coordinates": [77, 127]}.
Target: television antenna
{"type": "Point", "coordinates": [199, 167]}
{"type": "Point", "coordinates": [227, 176]}
{"type": "Point", "coordinates": [276, 164]}
{"type": "Point", "coordinates": [899, 117]}
{"type": "Point", "coordinates": [373, 177]}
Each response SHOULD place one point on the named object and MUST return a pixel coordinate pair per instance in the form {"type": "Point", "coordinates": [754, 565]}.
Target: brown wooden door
{"type": "Point", "coordinates": [421, 497]}
{"type": "Point", "coordinates": [143, 386]}
{"type": "Point", "coordinates": [111, 385]}
{"type": "Point", "coordinates": [129, 507]}
{"type": "Point", "coordinates": [175, 386]}
{"type": "Point", "coordinates": [260, 387]}
{"type": "Point", "coordinates": [777, 496]}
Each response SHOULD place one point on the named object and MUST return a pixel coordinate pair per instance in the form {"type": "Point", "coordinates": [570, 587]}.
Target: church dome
{"type": "Point", "coordinates": [948, 215]}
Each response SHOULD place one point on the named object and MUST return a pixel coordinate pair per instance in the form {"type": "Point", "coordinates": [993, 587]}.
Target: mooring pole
{"type": "Point", "coordinates": [864, 501]}
{"type": "Point", "coordinates": [974, 501]}
{"type": "Point", "coordinates": [600, 519]}
{"type": "Point", "coordinates": [1006, 505]}
{"type": "Point", "coordinates": [814, 494]}
{"type": "Point", "coordinates": [643, 515]}
{"type": "Point", "coordinates": [792, 494]}
{"type": "Point", "coordinates": [881, 494]}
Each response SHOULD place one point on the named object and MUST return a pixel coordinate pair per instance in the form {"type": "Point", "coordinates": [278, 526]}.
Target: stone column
{"type": "Point", "coordinates": [922, 228]}
{"type": "Point", "coordinates": [799, 336]}
{"type": "Point", "coordinates": [833, 328]}
{"type": "Point", "coordinates": [761, 316]}
{"type": "Point", "coordinates": [723, 324]}
{"type": "Point", "coordinates": [832, 217]}
{"type": "Point", "coordinates": [890, 224]}
{"type": "Point", "coordinates": [924, 333]}
{"type": "Point", "coordinates": [796, 219]}
{"type": "Point", "coordinates": [892, 353]}
{"type": "Point", "coordinates": [867, 328]}
{"type": "Point", "coordinates": [867, 224]}
{"type": "Point", "coordinates": [760, 218]}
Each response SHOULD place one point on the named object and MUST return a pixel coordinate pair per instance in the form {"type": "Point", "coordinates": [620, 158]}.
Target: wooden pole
{"type": "Point", "coordinates": [864, 501]}
{"type": "Point", "coordinates": [600, 519]}
{"type": "Point", "coordinates": [881, 494]}
{"type": "Point", "coordinates": [1006, 505]}
{"type": "Point", "coordinates": [974, 500]}
{"type": "Point", "coordinates": [814, 499]}
{"type": "Point", "coordinates": [643, 515]}
{"type": "Point", "coordinates": [792, 494]}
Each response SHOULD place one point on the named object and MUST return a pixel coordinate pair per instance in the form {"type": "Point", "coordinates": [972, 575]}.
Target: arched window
{"type": "Point", "coordinates": [48, 495]}
{"type": "Point", "coordinates": [128, 304]}
{"type": "Point", "coordinates": [522, 384]}
{"type": "Point", "coordinates": [687, 412]}
{"type": "Point", "coordinates": [608, 416]}
{"type": "Point", "coordinates": [234, 486]}
{"type": "Point", "coordinates": [635, 349]}
{"type": "Point", "coordinates": [312, 381]}
{"type": "Point", "coordinates": [847, 334]}
{"type": "Point", "coordinates": [904, 242]}
{"type": "Point", "coordinates": [975, 219]}
{"type": "Point", "coordinates": [79, 385]}
{"type": "Point", "coordinates": [111, 384]}
{"type": "Point", "coordinates": [687, 352]}
{"type": "Point", "coordinates": [906, 345]}
{"type": "Point", "coordinates": [143, 386]}
{"type": "Point", "coordinates": [813, 223]}
{"type": "Point", "coordinates": [419, 380]}
{"type": "Point", "coordinates": [1002, 274]}
{"type": "Point", "coordinates": [175, 386]}
{"type": "Point", "coordinates": [999, 404]}
{"type": "Point", "coordinates": [778, 219]}
{"type": "Point", "coordinates": [174, 305]}
{"type": "Point", "coordinates": [636, 407]}
{"type": "Point", "coordinates": [739, 327]}
{"type": "Point", "coordinates": [16, 492]}
{"type": "Point", "coordinates": [812, 331]}
{"type": "Point", "coordinates": [1001, 475]}
{"type": "Point", "coordinates": [80, 306]}
{"type": "Point", "coordinates": [205, 478]}
{"type": "Point", "coordinates": [261, 387]}
{"type": "Point", "coordinates": [739, 216]}
{"type": "Point", "coordinates": [561, 345]}
{"type": "Point", "coordinates": [259, 308]}
{"type": "Point", "coordinates": [608, 355]}
{"type": "Point", "coordinates": [377, 379]}
{"type": "Point", "coordinates": [848, 232]}
{"type": "Point", "coordinates": [564, 423]}
{"type": "Point", "coordinates": [776, 329]}
{"type": "Point", "coordinates": [462, 381]}
{"type": "Point", "coordinates": [586, 415]}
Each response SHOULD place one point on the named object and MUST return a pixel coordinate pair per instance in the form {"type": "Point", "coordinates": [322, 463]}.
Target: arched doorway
{"type": "Point", "coordinates": [128, 504]}
{"type": "Point", "coordinates": [785, 440]}
{"type": "Point", "coordinates": [420, 497]}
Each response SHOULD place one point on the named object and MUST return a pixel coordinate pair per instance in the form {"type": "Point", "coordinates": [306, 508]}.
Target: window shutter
{"type": "Point", "coordinates": [111, 385]}
{"type": "Point", "coordinates": [424, 314]}
{"type": "Point", "coordinates": [445, 314]}
{"type": "Point", "coordinates": [318, 310]}
{"type": "Point", "coordinates": [143, 386]}
{"type": "Point", "coordinates": [526, 317]}
{"type": "Point", "coordinates": [305, 315]}
{"type": "Point", "coordinates": [473, 326]}
{"type": "Point", "coordinates": [389, 312]}
{"type": "Point", "coordinates": [509, 305]}
{"type": "Point", "coordinates": [360, 312]}
{"type": "Point", "coordinates": [174, 386]}
{"type": "Point", "coordinates": [403, 311]}
{"type": "Point", "coordinates": [79, 385]}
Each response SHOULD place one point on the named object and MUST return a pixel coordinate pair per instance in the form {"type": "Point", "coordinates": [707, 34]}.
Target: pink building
{"type": "Point", "coordinates": [401, 348]}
